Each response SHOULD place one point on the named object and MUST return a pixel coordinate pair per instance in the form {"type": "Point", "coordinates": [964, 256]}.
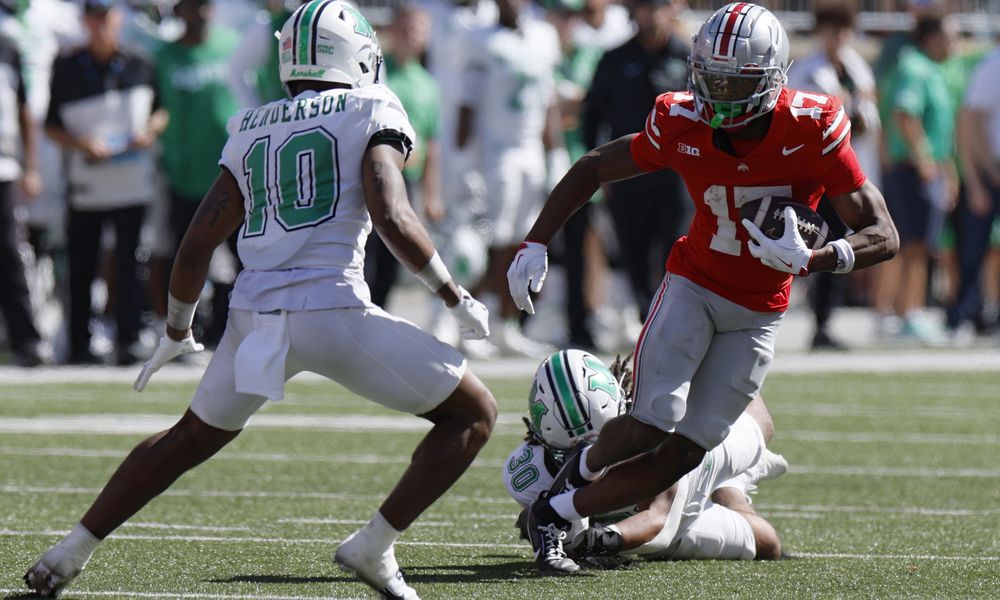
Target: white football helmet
{"type": "Point", "coordinates": [328, 40]}
{"type": "Point", "coordinates": [465, 254]}
{"type": "Point", "coordinates": [573, 396]}
{"type": "Point", "coordinates": [739, 61]}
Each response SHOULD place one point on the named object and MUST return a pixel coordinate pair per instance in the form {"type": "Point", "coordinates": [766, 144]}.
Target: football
{"type": "Point", "coordinates": [768, 215]}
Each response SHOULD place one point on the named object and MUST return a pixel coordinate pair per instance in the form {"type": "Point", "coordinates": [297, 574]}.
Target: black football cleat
{"type": "Point", "coordinates": [546, 537]}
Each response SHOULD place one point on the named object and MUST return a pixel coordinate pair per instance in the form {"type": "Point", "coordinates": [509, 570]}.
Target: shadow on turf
{"type": "Point", "coordinates": [511, 568]}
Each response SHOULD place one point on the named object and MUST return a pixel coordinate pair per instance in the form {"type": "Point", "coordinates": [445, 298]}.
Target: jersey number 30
{"type": "Point", "coordinates": [305, 170]}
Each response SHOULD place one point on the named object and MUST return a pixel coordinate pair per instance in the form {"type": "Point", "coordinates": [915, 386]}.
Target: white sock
{"type": "Point", "coordinates": [585, 472]}
{"type": "Point", "coordinates": [563, 505]}
{"type": "Point", "coordinates": [380, 532]}
{"type": "Point", "coordinates": [80, 542]}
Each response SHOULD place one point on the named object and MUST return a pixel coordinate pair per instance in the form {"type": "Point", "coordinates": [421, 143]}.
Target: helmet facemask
{"type": "Point", "coordinates": [732, 97]}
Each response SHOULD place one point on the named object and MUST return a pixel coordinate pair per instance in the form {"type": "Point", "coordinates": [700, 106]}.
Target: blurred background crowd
{"type": "Point", "coordinates": [113, 115]}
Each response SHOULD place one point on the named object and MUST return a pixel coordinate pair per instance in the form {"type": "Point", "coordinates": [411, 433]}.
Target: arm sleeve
{"type": "Point", "coordinates": [843, 173]}
{"type": "Point", "coordinates": [647, 146]}
{"type": "Point", "coordinates": [390, 122]}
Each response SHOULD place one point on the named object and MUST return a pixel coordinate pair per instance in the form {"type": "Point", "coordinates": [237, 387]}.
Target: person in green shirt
{"type": "Point", "coordinates": [919, 178]}
{"type": "Point", "coordinates": [193, 75]}
{"type": "Point", "coordinates": [408, 37]}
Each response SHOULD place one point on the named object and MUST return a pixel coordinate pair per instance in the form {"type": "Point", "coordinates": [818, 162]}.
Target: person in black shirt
{"type": "Point", "coordinates": [105, 114]}
{"type": "Point", "coordinates": [649, 212]}
{"type": "Point", "coordinates": [17, 162]}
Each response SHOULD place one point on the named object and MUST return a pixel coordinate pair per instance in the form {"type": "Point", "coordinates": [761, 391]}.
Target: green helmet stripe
{"type": "Point", "coordinates": [305, 30]}
{"type": "Point", "coordinates": [566, 396]}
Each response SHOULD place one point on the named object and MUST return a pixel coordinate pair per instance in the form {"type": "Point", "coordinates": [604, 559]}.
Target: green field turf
{"type": "Point", "coordinates": [894, 492]}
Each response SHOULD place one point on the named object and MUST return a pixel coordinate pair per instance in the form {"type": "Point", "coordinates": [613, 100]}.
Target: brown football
{"type": "Point", "coordinates": [767, 214]}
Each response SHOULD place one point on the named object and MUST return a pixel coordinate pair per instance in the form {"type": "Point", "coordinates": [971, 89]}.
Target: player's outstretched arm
{"type": "Point", "coordinates": [874, 239]}
{"type": "Point", "coordinates": [218, 216]}
{"type": "Point", "coordinates": [404, 234]}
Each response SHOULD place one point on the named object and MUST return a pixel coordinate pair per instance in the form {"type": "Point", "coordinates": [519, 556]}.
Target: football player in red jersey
{"type": "Point", "coordinates": [736, 135]}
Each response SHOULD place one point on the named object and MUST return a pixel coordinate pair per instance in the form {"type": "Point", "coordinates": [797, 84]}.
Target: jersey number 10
{"type": "Point", "coordinates": [305, 181]}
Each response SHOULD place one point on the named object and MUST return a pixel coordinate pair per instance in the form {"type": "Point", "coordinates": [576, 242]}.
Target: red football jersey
{"type": "Point", "coordinates": [806, 153]}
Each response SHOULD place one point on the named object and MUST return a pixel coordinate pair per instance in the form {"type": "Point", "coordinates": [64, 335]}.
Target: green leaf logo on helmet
{"type": "Point", "coordinates": [361, 24]}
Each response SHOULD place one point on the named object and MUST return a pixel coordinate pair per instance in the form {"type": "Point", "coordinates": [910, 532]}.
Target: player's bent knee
{"type": "Point", "coordinates": [471, 404]}
{"type": "Point", "coordinates": [198, 436]}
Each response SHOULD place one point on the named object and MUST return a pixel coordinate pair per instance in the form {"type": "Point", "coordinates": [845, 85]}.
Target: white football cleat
{"type": "Point", "coordinates": [379, 571]}
{"type": "Point", "coordinates": [53, 572]}
{"type": "Point", "coordinates": [768, 466]}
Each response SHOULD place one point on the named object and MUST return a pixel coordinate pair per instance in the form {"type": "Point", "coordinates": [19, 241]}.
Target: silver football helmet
{"type": "Point", "coordinates": [329, 40]}
{"type": "Point", "coordinates": [572, 397]}
{"type": "Point", "coordinates": [739, 61]}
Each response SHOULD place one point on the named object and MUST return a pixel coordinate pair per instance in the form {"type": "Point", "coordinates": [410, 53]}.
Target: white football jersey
{"type": "Point", "coordinates": [526, 474]}
{"type": "Point", "coordinates": [509, 83]}
{"type": "Point", "coordinates": [298, 165]}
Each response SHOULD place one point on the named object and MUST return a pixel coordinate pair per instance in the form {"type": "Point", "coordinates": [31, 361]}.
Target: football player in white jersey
{"type": "Point", "coordinates": [509, 113]}
{"type": "Point", "coordinates": [304, 179]}
{"type": "Point", "coordinates": [705, 515]}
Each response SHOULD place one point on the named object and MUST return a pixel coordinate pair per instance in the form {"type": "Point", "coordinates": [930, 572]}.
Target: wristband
{"type": "Point", "coordinates": [180, 314]}
{"type": "Point", "coordinates": [845, 256]}
{"type": "Point", "coordinates": [435, 274]}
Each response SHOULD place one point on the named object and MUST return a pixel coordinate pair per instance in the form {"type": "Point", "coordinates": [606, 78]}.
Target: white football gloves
{"type": "Point", "coordinates": [53, 571]}
{"type": "Point", "coordinates": [167, 350]}
{"type": "Point", "coordinates": [472, 316]}
{"type": "Point", "coordinates": [788, 254]}
{"type": "Point", "coordinates": [527, 272]}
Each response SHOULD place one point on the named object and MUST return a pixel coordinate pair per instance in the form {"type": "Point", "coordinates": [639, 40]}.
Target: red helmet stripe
{"type": "Point", "coordinates": [731, 27]}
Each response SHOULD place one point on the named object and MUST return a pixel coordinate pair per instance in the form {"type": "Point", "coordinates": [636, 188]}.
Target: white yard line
{"type": "Point", "coordinates": [19, 489]}
{"type": "Point", "coordinates": [524, 547]}
{"type": "Point", "coordinates": [331, 521]}
{"type": "Point", "coordinates": [137, 424]}
{"type": "Point", "coordinates": [359, 459]}
{"type": "Point", "coordinates": [892, 556]}
{"type": "Point", "coordinates": [881, 510]}
{"type": "Point", "coordinates": [852, 471]}
{"type": "Point", "coordinates": [786, 362]}
{"type": "Point", "coordinates": [944, 439]}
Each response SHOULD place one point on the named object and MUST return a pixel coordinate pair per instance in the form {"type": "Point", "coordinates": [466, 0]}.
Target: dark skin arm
{"type": "Point", "coordinates": [392, 215]}
{"type": "Point", "coordinates": [219, 215]}
{"type": "Point", "coordinates": [874, 239]}
{"type": "Point", "coordinates": [604, 164]}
